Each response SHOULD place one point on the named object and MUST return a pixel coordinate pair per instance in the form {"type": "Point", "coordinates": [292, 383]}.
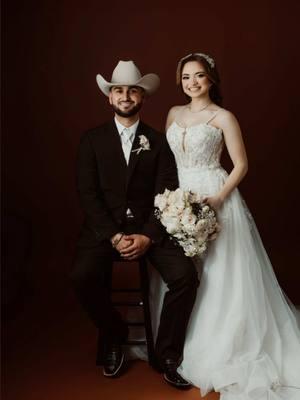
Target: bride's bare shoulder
{"type": "Point", "coordinates": [226, 120]}
{"type": "Point", "coordinates": [225, 115]}
{"type": "Point", "coordinates": [172, 114]}
{"type": "Point", "coordinates": [222, 112]}
{"type": "Point", "coordinates": [174, 110]}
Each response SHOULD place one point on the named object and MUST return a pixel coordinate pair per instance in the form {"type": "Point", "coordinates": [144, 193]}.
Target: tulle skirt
{"type": "Point", "coordinates": [243, 339]}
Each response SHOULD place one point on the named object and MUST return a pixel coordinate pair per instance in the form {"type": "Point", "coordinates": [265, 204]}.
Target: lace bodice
{"type": "Point", "coordinates": [197, 150]}
{"type": "Point", "coordinates": [199, 145]}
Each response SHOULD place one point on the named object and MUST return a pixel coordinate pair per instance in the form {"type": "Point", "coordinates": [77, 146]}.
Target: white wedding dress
{"type": "Point", "coordinates": [243, 339]}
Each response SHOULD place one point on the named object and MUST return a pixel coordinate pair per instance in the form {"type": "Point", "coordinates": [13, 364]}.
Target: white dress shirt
{"type": "Point", "coordinates": [127, 137]}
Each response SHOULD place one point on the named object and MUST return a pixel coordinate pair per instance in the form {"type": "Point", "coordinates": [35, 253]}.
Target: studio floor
{"type": "Point", "coordinates": [49, 354]}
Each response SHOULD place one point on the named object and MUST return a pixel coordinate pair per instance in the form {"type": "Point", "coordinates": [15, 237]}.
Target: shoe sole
{"type": "Point", "coordinates": [114, 375]}
{"type": "Point", "coordinates": [177, 385]}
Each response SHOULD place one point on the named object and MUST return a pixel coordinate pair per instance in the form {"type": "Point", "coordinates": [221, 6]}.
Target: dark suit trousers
{"type": "Point", "coordinates": [91, 278]}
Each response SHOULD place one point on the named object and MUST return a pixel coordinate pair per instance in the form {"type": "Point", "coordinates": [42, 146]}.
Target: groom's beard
{"type": "Point", "coordinates": [129, 113]}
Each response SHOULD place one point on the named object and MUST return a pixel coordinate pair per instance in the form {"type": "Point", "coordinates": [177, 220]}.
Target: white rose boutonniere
{"type": "Point", "coordinates": [144, 145]}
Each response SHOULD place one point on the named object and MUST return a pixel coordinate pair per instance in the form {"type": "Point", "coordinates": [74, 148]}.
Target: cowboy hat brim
{"type": "Point", "coordinates": [149, 83]}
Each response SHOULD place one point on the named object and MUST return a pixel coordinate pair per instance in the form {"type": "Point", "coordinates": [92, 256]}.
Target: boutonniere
{"type": "Point", "coordinates": [144, 145]}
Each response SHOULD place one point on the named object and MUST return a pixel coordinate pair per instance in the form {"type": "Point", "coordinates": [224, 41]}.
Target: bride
{"type": "Point", "coordinates": [243, 338]}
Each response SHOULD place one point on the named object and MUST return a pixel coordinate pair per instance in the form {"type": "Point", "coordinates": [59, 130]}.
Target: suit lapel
{"type": "Point", "coordinates": [114, 143]}
{"type": "Point", "coordinates": [113, 156]}
{"type": "Point", "coordinates": [134, 157]}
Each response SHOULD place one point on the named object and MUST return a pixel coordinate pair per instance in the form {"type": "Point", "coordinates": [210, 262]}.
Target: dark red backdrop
{"type": "Point", "coordinates": [52, 53]}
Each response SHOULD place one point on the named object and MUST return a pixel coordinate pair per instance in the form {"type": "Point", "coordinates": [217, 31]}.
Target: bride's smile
{"type": "Point", "coordinates": [195, 82]}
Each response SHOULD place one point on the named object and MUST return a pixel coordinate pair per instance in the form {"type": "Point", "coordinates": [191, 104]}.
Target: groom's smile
{"type": "Point", "coordinates": [126, 100]}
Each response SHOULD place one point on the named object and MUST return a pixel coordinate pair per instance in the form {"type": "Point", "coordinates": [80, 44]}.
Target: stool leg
{"type": "Point", "coordinates": [144, 277]}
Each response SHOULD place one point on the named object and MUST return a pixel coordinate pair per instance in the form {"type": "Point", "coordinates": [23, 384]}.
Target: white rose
{"type": "Point", "coordinates": [160, 201]}
{"type": "Point", "coordinates": [143, 139]}
{"type": "Point", "coordinates": [180, 206]}
{"type": "Point", "coordinates": [190, 229]}
{"type": "Point", "coordinates": [171, 223]}
{"type": "Point", "coordinates": [179, 235]}
{"type": "Point", "coordinates": [187, 216]}
{"type": "Point", "coordinates": [205, 209]}
{"type": "Point", "coordinates": [172, 227]}
{"type": "Point", "coordinates": [190, 249]}
{"type": "Point", "coordinates": [171, 212]}
{"type": "Point", "coordinates": [144, 142]}
{"type": "Point", "coordinates": [201, 225]}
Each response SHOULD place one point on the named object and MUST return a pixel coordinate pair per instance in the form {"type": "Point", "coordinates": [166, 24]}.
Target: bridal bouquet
{"type": "Point", "coordinates": [191, 223]}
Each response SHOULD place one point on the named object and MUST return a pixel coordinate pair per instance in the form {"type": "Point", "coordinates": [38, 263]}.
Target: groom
{"type": "Point", "coordinates": [121, 166]}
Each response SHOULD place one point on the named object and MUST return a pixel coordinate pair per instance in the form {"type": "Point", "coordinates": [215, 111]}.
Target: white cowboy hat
{"type": "Point", "coordinates": [126, 73]}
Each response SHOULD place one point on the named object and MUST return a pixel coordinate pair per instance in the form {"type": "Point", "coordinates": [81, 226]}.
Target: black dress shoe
{"type": "Point", "coordinates": [113, 361]}
{"type": "Point", "coordinates": [172, 377]}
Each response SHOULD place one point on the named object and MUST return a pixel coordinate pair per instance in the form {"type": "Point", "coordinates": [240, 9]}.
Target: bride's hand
{"type": "Point", "coordinates": [213, 201]}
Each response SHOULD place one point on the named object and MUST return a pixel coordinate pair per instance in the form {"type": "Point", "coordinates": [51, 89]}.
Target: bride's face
{"type": "Point", "coordinates": [194, 80]}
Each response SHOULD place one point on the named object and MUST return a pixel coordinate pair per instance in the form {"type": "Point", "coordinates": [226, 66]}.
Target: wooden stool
{"type": "Point", "coordinates": [142, 302]}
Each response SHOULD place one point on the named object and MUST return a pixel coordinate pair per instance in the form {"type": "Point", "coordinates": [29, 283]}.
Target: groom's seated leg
{"type": "Point", "coordinates": [91, 277]}
{"type": "Point", "coordinates": [180, 275]}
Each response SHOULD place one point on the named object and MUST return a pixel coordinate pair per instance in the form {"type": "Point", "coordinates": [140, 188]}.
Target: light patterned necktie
{"type": "Point", "coordinates": [126, 137]}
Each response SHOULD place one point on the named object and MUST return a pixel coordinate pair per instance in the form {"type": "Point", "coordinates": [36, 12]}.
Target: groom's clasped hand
{"type": "Point", "coordinates": [133, 246]}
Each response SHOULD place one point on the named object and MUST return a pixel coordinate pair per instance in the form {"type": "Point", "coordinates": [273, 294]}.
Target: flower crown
{"type": "Point", "coordinates": [209, 59]}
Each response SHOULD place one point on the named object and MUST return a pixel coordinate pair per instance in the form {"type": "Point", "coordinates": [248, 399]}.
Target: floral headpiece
{"type": "Point", "coordinates": [209, 59]}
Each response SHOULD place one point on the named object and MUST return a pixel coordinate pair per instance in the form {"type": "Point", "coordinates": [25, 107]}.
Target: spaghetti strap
{"type": "Point", "coordinates": [211, 118]}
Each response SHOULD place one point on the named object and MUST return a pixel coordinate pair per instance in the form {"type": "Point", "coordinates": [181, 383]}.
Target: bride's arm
{"type": "Point", "coordinates": [236, 149]}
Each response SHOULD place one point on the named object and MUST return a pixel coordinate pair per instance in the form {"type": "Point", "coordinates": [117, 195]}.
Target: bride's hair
{"type": "Point", "coordinates": [211, 71]}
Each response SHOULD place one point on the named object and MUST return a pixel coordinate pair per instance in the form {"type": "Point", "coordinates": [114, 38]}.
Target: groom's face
{"type": "Point", "coordinates": [126, 100]}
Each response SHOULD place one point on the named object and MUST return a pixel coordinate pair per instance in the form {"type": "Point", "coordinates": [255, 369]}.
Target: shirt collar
{"type": "Point", "coordinates": [121, 127]}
